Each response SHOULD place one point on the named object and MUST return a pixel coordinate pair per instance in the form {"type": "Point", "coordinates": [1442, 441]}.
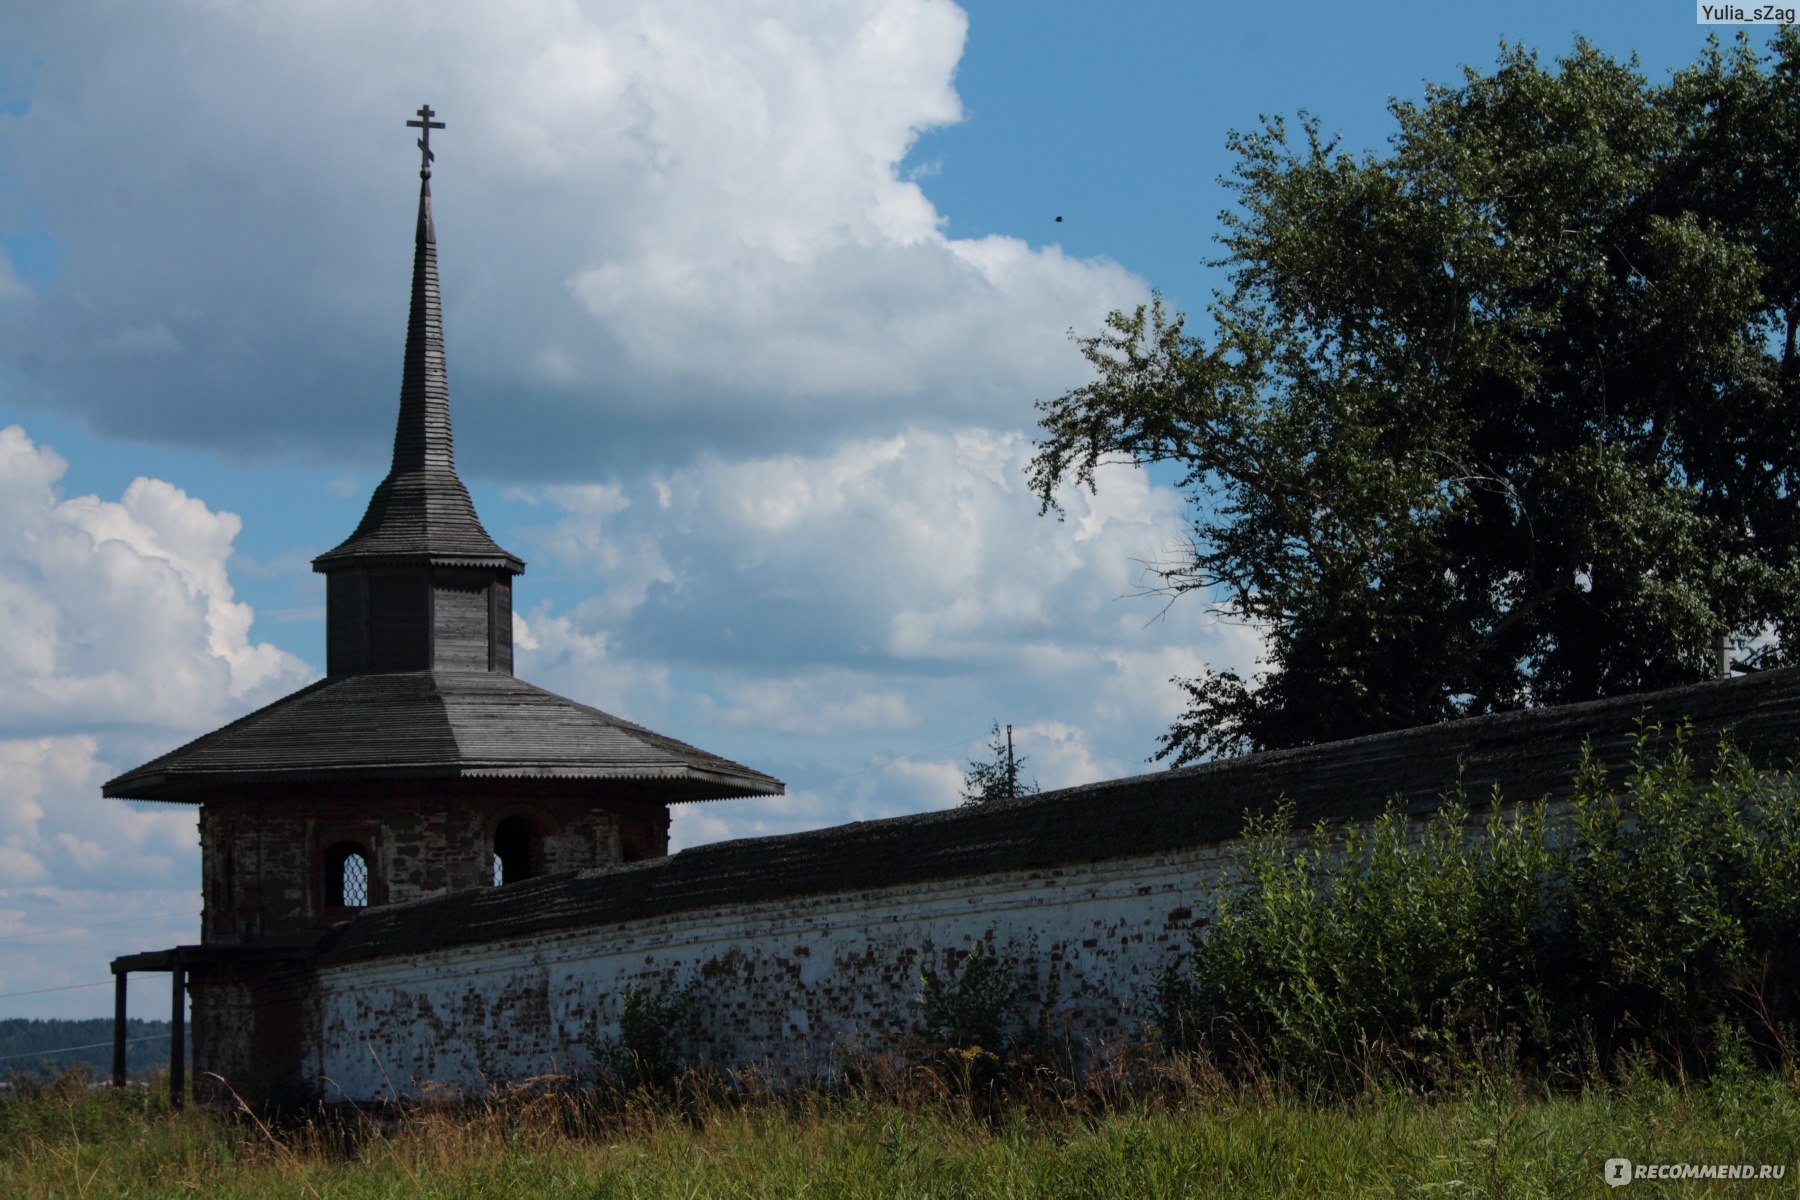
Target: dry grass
{"type": "Point", "coordinates": [1175, 1129]}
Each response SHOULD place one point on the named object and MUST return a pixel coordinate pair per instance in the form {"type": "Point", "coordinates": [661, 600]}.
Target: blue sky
{"type": "Point", "coordinates": [747, 306]}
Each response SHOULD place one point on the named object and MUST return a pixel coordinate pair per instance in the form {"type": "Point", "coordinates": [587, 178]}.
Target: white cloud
{"type": "Point", "coordinates": [686, 218]}
{"type": "Point", "coordinates": [121, 612]}
{"type": "Point", "coordinates": [819, 705]}
{"type": "Point", "coordinates": [921, 548]}
{"type": "Point", "coordinates": [124, 638]}
{"type": "Point", "coordinates": [570, 653]}
{"type": "Point", "coordinates": [926, 785]}
{"type": "Point", "coordinates": [21, 865]}
{"type": "Point", "coordinates": [925, 547]}
{"type": "Point", "coordinates": [1056, 754]}
{"type": "Point", "coordinates": [854, 605]}
{"type": "Point", "coordinates": [55, 824]}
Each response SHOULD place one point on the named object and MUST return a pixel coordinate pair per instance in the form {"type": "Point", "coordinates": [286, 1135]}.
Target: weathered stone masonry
{"type": "Point", "coordinates": [806, 944]}
{"type": "Point", "coordinates": [788, 985]}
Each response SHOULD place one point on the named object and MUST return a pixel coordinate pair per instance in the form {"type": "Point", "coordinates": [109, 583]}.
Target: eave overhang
{"type": "Point", "coordinates": [429, 725]}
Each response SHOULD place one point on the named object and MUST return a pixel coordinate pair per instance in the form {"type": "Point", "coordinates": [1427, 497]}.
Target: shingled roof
{"type": "Point", "coordinates": [1526, 755]}
{"type": "Point", "coordinates": [431, 723]}
{"type": "Point", "coordinates": [425, 725]}
{"type": "Point", "coordinates": [422, 510]}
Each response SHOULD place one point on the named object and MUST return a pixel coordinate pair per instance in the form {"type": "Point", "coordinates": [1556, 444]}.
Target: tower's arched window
{"type": "Point", "coordinates": [346, 876]}
{"type": "Point", "coordinates": [513, 850]}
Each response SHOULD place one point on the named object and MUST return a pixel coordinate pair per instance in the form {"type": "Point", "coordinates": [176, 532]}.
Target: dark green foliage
{"type": "Point", "coordinates": [1656, 915]}
{"type": "Point", "coordinates": [997, 778]}
{"type": "Point", "coordinates": [658, 1040]}
{"type": "Point", "coordinates": [984, 1017]}
{"type": "Point", "coordinates": [35, 1048]}
{"type": "Point", "coordinates": [1499, 417]}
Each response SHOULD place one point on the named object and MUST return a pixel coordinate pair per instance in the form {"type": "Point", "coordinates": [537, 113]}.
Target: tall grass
{"type": "Point", "coordinates": [1188, 1133]}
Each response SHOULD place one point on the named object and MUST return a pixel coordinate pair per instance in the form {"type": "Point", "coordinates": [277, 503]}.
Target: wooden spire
{"type": "Point", "coordinates": [422, 511]}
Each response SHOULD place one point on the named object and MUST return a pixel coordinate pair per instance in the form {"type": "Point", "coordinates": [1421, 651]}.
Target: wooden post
{"type": "Point", "coordinates": [1012, 770]}
{"type": "Point", "coordinates": [119, 979]}
{"type": "Point", "coordinates": [177, 1032]}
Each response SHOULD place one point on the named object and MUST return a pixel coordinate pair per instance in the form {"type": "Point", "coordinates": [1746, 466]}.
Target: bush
{"type": "Point", "coordinates": [983, 1020]}
{"type": "Point", "coordinates": [659, 1034]}
{"type": "Point", "coordinates": [1650, 915]}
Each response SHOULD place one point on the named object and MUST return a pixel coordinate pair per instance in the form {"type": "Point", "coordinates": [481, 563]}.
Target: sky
{"type": "Point", "coordinates": [747, 306]}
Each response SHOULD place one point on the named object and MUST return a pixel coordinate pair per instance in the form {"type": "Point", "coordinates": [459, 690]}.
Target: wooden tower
{"type": "Point", "coordinates": [420, 764]}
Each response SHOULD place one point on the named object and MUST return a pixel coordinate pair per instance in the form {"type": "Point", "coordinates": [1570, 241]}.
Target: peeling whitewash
{"type": "Point", "coordinates": [787, 986]}
{"type": "Point", "coordinates": [1096, 889]}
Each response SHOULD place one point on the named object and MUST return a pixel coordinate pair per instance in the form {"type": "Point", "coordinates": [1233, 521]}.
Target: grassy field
{"type": "Point", "coordinates": [1186, 1139]}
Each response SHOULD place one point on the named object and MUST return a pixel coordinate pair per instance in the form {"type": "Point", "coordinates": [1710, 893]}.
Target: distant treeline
{"type": "Point", "coordinates": [31, 1048]}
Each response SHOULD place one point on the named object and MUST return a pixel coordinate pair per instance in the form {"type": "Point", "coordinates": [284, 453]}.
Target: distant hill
{"type": "Point", "coordinates": [30, 1049]}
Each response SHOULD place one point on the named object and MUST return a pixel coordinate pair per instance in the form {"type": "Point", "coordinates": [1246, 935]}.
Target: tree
{"type": "Point", "coordinates": [1503, 416]}
{"type": "Point", "coordinates": [998, 777]}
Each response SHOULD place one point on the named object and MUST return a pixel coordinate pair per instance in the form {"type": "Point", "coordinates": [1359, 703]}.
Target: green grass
{"type": "Point", "coordinates": [1187, 1136]}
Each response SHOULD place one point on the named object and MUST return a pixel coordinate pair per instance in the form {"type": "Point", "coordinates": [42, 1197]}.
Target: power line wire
{"type": "Point", "coordinates": [148, 1037]}
{"type": "Point", "coordinates": [100, 925]}
{"type": "Point", "coordinates": [65, 988]}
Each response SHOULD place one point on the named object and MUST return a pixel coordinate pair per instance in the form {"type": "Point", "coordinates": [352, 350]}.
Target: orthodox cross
{"type": "Point", "coordinates": [425, 125]}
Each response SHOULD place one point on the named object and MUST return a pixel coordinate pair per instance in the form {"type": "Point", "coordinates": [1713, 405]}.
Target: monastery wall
{"type": "Point", "coordinates": [790, 986]}
{"type": "Point", "coordinates": [808, 948]}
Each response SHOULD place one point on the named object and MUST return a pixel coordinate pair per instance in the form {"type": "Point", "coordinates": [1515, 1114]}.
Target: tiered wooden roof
{"type": "Point", "coordinates": [436, 725]}
{"type": "Point", "coordinates": [421, 534]}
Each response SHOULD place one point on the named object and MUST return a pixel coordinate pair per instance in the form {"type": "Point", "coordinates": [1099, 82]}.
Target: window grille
{"type": "Point", "coordinates": [346, 876]}
{"type": "Point", "coordinates": [356, 880]}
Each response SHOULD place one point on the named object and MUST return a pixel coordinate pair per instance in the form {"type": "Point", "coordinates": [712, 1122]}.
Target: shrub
{"type": "Point", "coordinates": [983, 1019]}
{"type": "Point", "coordinates": [1654, 912]}
{"type": "Point", "coordinates": [658, 1039]}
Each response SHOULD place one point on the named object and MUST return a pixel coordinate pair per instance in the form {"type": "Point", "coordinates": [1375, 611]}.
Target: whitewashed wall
{"type": "Point", "coordinates": [787, 986]}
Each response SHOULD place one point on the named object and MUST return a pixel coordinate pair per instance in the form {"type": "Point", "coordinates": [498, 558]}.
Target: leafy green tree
{"type": "Point", "coordinates": [997, 778]}
{"type": "Point", "coordinates": [1503, 416]}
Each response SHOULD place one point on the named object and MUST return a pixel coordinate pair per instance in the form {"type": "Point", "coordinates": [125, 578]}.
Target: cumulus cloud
{"type": "Point", "coordinates": [890, 787]}
{"type": "Point", "coordinates": [84, 879]}
{"type": "Point", "coordinates": [819, 705]}
{"type": "Point", "coordinates": [123, 638]}
{"type": "Point", "coordinates": [659, 225]}
{"type": "Point", "coordinates": [53, 820]}
{"type": "Point", "coordinates": [853, 604]}
{"type": "Point", "coordinates": [922, 548]}
{"type": "Point", "coordinates": [121, 612]}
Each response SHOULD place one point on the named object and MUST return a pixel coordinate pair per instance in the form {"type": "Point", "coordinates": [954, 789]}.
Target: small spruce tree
{"type": "Point", "coordinates": [998, 777]}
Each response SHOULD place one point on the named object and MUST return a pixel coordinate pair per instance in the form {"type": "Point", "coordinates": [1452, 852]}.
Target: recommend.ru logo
{"type": "Point", "coordinates": [1620, 1171]}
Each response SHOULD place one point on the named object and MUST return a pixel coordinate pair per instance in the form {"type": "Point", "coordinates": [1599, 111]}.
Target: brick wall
{"type": "Point", "coordinates": [789, 985]}
{"type": "Point", "coordinates": [809, 946]}
{"type": "Point", "coordinates": [264, 857]}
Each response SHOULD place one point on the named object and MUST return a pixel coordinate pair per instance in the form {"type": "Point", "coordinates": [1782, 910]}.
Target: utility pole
{"type": "Point", "coordinates": [1012, 770]}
